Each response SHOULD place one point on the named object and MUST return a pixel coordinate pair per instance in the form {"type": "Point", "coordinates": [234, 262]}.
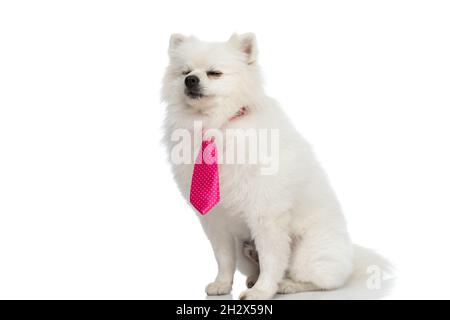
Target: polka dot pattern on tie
{"type": "Point", "coordinates": [205, 191]}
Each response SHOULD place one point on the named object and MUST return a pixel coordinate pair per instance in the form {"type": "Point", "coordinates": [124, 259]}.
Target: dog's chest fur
{"type": "Point", "coordinates": [236, 182]}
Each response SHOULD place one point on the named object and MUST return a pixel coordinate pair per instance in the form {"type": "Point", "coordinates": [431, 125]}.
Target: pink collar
{"type": "Point", "coordinates": [242, 111]}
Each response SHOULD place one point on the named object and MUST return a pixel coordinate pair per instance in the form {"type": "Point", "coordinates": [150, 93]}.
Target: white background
{"type": "Point", "coordinates": [88, 208]}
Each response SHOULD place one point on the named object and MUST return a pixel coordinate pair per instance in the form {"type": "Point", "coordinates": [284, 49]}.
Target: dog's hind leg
{"type": "Point", "coordinates": [290, 286]}
{"type": "Point", "coordinates": [286, 285]}
{"type": "Point", "coordinates": [322, 257]}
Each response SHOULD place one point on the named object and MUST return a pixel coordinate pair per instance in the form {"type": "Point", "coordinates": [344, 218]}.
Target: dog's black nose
{"type": "Point", "coordinates": [191, 81]}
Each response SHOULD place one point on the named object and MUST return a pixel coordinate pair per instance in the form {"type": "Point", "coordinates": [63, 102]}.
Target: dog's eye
{"type": "Point", "coordinates": [186, 72]}
{"type": "Point", "coordinates": [213, 73]}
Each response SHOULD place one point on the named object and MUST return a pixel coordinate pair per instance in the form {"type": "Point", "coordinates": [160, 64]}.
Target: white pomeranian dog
{"type": "Point", "coordinates": [282, 228]}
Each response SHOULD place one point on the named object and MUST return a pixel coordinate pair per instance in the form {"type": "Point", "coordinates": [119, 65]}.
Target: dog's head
{"type": "Point", "coordinates": [201, 74]}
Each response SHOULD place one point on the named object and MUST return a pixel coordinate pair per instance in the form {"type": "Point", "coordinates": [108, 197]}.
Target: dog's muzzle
{"type": "Point", "coordinates": [193, 89]}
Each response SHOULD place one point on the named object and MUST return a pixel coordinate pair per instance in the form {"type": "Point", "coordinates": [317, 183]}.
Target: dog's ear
{"type": "Point", "coordinates": [175, 40]}
{"type": "Point", "coordinates": [247, 44]}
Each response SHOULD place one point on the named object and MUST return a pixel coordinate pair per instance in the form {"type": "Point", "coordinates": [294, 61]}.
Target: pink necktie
{"type": "Point", "coordinates": [205, 192]}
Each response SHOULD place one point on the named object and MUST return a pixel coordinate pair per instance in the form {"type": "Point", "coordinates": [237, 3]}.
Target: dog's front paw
{"type": "Point", "coordinates": [255, 294]}
{"type": "Point", "coordinates": [217, 288]}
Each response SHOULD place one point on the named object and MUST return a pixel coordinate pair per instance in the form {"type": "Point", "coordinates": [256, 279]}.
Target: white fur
{"type": "Point", "coordinates": [293, 217]}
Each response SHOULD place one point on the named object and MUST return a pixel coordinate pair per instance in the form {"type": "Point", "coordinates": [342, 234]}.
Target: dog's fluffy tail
{"type": "Point", "coordinates": [372, 277]}
{"type": "Point", "coordinates": [365, 259]}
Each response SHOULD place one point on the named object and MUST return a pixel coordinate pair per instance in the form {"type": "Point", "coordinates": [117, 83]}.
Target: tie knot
{"type": "Point", "coordinates": [208, 152]}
